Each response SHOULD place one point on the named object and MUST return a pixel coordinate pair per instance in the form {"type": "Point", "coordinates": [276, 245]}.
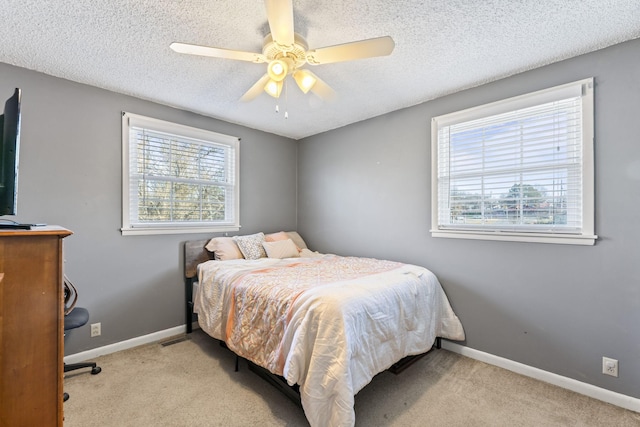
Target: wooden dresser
{"type": "Point", "coordinates": [31, 326]}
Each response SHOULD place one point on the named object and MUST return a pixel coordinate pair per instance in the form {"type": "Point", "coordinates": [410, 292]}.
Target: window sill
{"type": "Point", "coordinates": [559, 239]}
{"type": "Point", "coordinates": [139, 231]}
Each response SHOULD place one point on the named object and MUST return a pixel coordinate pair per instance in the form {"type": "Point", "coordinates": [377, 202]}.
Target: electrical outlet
{"type": "Point", "coordinates": [610, 366]}
{"type": "Point", "coordinates": [95, 330]}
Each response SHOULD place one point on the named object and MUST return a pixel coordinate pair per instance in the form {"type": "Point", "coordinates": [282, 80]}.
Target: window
{"type": "Point", "coordinates": [177, 179]}
{"type": "Point", "coordinates": [519, 169]}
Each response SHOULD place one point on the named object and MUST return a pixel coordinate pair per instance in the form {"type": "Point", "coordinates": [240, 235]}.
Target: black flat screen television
{"type": "Point", "coordinates": [10, 151]}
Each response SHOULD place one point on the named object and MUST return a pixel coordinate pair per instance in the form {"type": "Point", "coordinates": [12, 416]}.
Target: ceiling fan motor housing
{"type": "Point", "coordinates": [294, 55]}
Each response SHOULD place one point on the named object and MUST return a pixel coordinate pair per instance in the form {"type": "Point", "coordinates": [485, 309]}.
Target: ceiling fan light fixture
{"type": "Point", "coordinates": [277, 70]}
{"type": "Point", "coordinates": [305, 79]}
{"type": "Point", "coordinates": [273, 88]}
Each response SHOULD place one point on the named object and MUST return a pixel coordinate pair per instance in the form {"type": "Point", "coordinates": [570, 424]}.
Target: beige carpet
{"type": "Point", "coordinates": [193, 383]}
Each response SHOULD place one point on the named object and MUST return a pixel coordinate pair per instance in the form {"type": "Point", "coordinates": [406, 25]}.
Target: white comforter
{"type": "Point", "coordinates": [338, 336]}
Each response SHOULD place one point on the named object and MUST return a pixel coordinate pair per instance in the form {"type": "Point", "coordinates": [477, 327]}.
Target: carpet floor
{"type": "Point", "coordinates": [192, 383]}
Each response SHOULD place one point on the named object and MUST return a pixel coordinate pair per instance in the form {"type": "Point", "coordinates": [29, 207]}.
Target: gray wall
{"type": "Point", "coordinates": [70, 175]}
{"type": "Point", "coordinates": [362, 189]}
{"type": "Point", "coordinates": [365, 190]}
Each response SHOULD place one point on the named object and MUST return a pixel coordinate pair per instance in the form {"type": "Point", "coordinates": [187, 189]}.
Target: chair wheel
{"type": "Point", "coordinates": [96, 370]}
{"type": "Point", "coordinates": [65, 397]}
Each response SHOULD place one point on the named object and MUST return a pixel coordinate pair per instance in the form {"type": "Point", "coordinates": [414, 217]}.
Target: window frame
{"type": "Point", "coordinates": [586, 236]}
{"type": "Point", "coordinates": [176, 227]}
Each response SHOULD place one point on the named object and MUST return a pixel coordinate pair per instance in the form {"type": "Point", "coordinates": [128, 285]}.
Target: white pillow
{"type": "Point", "coordinates": [297, 239]}
{"type": "Point", "coordinates": [281, 249]}
{"type": "Point", "coordinates": [224, 248]}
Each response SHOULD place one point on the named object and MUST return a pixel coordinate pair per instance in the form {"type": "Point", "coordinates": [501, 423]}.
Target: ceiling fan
{"type": "Point", "coordinates": [286, 52]}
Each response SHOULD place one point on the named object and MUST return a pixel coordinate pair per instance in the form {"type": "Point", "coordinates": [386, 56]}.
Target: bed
{"type": "Point", "coordinates": [321, 323]}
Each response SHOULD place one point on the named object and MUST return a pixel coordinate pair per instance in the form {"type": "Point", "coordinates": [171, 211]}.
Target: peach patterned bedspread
{"type": "Point", "coordinates": [329, 324]}
{"type": "Point", "coordinates": [261, 299]}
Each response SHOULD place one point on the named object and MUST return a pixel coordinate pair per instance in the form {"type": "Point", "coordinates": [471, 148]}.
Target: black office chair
{"type": "Point", "coordinates": [79, 317]}
{"type": "Point", "coordinates": [75, 317]}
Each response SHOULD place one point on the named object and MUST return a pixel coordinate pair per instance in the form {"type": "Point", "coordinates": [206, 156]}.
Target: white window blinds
{"type": "Point", "coordinates": [523, 165]}
{"type": "Point", "coordinates": [178, 178]}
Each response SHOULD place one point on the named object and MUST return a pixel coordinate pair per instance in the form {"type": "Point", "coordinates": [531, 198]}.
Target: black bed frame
{"type": "Point", "coordinates": [194, 254]}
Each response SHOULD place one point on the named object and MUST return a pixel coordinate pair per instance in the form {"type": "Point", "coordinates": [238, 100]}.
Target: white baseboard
{"type": "Point", "coordinates": [124, 345]}
{"type": "Point", "coordinates": [618, 399]}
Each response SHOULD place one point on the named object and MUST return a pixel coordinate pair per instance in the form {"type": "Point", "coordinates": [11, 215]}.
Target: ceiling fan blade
{"type": "Point", "coordinates": [380, 46]}
{"type": "Point", "coordinates": [256, 89]}
{"type": "Point", "coordinates": [217, 52]}
{"type": "Point", "coordinates": [280, 17]}
{"type": "Point", "coordinates": [323, 90]}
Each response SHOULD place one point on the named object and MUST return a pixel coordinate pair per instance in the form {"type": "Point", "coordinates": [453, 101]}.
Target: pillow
{"type": "Point", "coordinates": [223, 248]}
{"type": "Point", "coordinates": [281, 249]}
{"type": "Point", "coordinates": [282, 235]}
{"type": "Point", "coordinates": [293, 235]}
{"type": "Point", "coordinates": [251, 245]}
{"type": "Point", "coordinates": [274, 237]}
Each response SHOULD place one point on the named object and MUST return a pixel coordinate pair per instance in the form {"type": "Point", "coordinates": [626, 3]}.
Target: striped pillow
{"type": "Point", "coordinates": [281, 249]}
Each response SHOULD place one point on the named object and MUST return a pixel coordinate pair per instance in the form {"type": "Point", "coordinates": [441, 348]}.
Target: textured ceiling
{"type": "Point", "coordinates": [442, 46]}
